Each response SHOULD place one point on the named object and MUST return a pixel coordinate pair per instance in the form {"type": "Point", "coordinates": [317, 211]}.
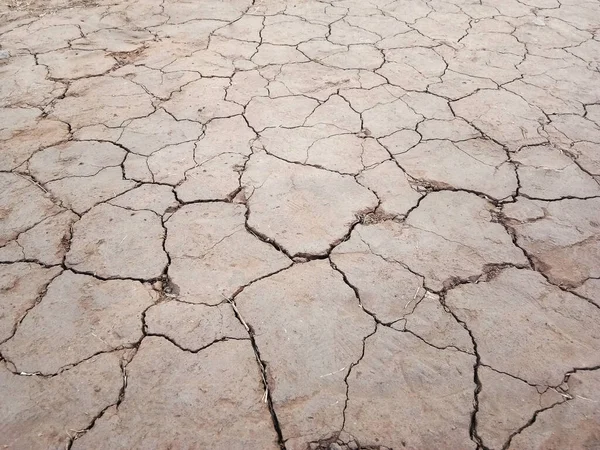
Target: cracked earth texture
{"type": "Point", "coordinates": [300, 224]}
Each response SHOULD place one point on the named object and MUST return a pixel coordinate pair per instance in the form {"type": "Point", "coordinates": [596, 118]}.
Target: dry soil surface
{"type": "Point", "coordinates": [300, 224]}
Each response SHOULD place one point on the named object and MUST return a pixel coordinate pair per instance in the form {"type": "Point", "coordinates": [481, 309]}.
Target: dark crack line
{"type": "Point", "coordinates": [262, 366]}
{"type": "Point", "coordinates": [531, 421]}
{"type": "Point", "coordinates": [40, 296]}
{"type": "Point", "coordinates": [478, 385]}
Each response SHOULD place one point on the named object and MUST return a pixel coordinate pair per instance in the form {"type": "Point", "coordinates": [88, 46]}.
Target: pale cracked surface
{"type": "Point", "coordinates": [300, 224]}
{"type": "Point", "coordinates": [213, 398]}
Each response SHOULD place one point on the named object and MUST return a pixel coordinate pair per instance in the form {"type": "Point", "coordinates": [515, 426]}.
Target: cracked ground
{"type": "Point", "coordinates": [300, 224]}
